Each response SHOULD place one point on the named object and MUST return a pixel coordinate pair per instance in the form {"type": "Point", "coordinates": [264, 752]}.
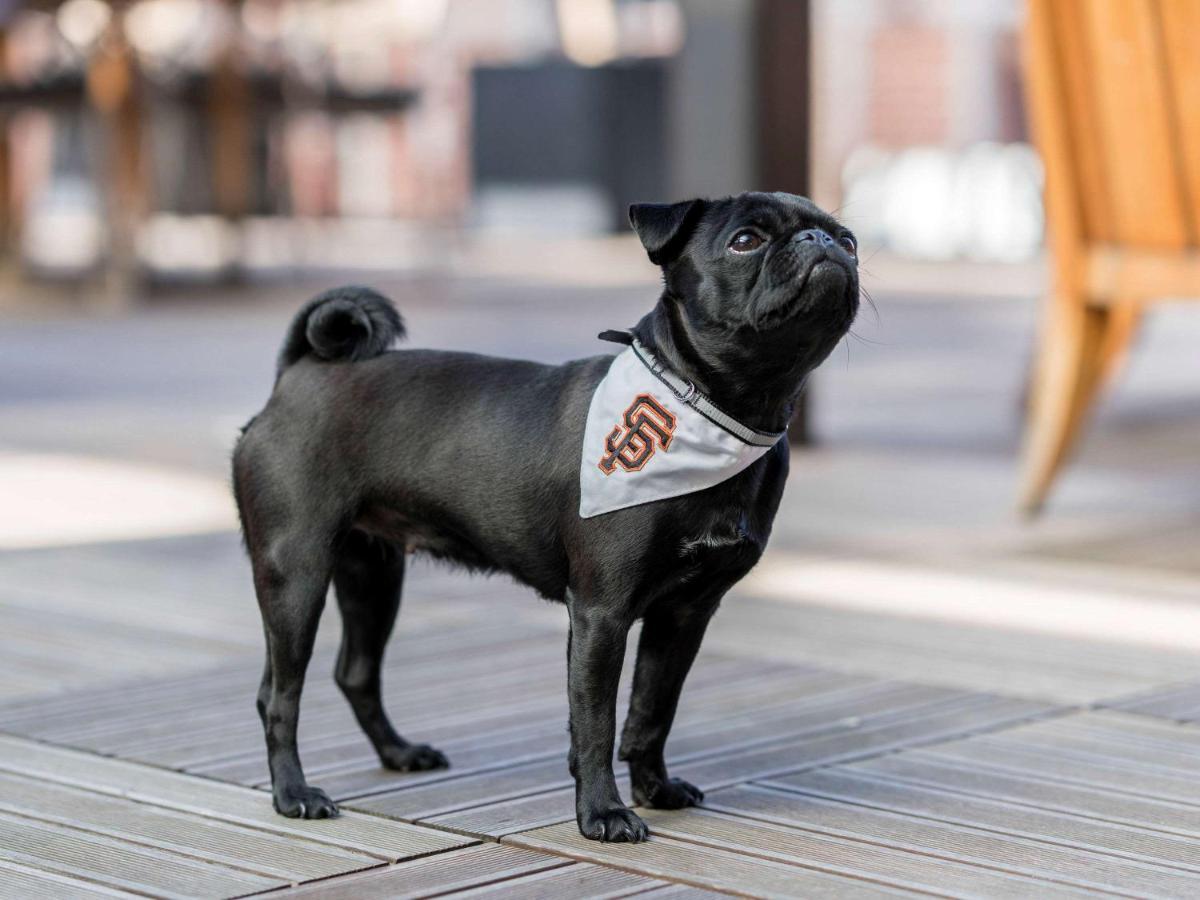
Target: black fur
{"type": "Point", "coordinates": [362, 456]}
{"type": "Point", "coordinates": [346, 323]}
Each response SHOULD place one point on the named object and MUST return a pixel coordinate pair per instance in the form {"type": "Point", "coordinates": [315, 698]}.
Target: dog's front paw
{"type": "Point", "coordinates": [671, 793]}
{"type": "Point", "coordinates": [304, 802]}
{"type": "Point", "coordinates": [413, 758]}
{"type": "Point", "coordinates": [618, 824]}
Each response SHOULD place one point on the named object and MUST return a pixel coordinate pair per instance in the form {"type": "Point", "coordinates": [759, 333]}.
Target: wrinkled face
{"type": "Point", "coordinates": [769, 266]}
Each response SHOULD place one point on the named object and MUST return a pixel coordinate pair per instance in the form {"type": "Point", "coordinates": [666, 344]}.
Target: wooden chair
{"type": "Point", "coordinates": [1113, 88]}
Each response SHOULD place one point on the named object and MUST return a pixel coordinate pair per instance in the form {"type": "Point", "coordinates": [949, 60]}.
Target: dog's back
{"type": "Point", "coordinates": [467, 457]}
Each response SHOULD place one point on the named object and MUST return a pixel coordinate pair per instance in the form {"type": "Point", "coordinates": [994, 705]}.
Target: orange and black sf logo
{"type": "Point", "coordinates": [647, 426]}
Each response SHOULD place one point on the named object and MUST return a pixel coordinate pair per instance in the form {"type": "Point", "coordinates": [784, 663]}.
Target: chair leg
{"type": "Point", "coordinates": [1124, 317]}
{"type": "Point", "coordinates": [1079, 350]}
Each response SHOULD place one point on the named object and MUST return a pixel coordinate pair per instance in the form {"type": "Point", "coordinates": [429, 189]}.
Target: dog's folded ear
{"type": "Point", "coordinates": [664, 228]}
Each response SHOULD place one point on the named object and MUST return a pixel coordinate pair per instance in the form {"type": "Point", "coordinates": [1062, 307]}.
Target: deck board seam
{"type": "Point", "coordinates": [312, 882]}
{"type": "Point", "coordinates": [1143, 862]}
{"type": "Point", "coordinates": [369, 862]}
{"type": "Point", "coordinates": [159, 803]}
{"type": "Point", "coordinates": [781, 789]}
{"type": "Point", "coordinates": [36, 868]}
{"type": "Point", "coordinates": [830, 870]}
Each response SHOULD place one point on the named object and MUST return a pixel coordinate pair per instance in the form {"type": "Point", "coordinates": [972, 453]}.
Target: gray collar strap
{"type": "Point", "coordinates": [686, 392]}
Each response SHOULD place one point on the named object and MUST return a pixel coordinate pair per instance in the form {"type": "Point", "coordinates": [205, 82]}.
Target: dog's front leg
{"type": "Point", "coordinates": [595, 650]}
{"type": "Point", "coordinates": [671, 634]}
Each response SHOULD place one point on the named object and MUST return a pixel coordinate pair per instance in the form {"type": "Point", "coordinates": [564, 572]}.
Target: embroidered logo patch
{"type": "Point", "coordinates": [646, 427]}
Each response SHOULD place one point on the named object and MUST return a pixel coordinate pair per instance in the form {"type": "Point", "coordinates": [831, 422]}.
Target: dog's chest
{"type": "Point", "coordinates": [727, 548]}
{"type": "Point", "coordinates": [728, 534]}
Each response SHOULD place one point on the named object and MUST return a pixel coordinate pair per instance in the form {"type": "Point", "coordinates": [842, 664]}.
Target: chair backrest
{"type": "Point", "coordinates": [1115, 92]}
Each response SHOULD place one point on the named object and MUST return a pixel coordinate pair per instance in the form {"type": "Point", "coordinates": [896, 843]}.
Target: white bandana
{"type": "Point", "coordinates": [650, 435]}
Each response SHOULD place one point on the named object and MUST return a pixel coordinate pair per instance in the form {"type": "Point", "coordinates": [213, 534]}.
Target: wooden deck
{"type": "Point", "coordinates": [821, 781]}
{"type": "Point", "coordinates": [913, 693]}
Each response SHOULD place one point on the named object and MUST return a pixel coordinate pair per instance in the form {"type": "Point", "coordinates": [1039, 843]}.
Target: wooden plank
{"type": "Point", "coordinates": [113, 713]}
{"type": "Point", "coordinates": [507, 735]}
{"type": "Point", "coordinates": [536, 803]}
{"type": "Point", "coordinates": [239, 735]}
{"type": "Point", "coordinates": [29, 883]}
{"type": "Point", "coordinates": [454, 870]}
{"type": "Point", "coordinates": [474, 754]}
{"type": "Point", "coordinates": [1180, 703]}
{"type": "Point", "coordinates": [387, 840]}
{"type": "Point", "coordinates": [77, 651]}
{"type": "Point", "coordinates": [448, 794]}
{"type": "Point", "coordinates": [1181, 761]}
{"type": "Point", "coordinates": [499, 818]}
{"type": "Point", "coordinates": [840, 803]}
{"type": "Point", "coordinates": [326, 724]}
{"type": "Point", "coordinates": [347, 764]}
{"type": "Point", "coordinates": [976, 713]}
{"type": "Point", "coordinates": [957, 655]}
{"type": "Point", "coordinates": [120, 864]}
{"type": "Point", "coordinates": [1110, 773]}
{"type": "Point", "coordinates": [857, 859]}
{"type": "Point", "coordinates": [1114, 727]}
{"type": "Point", "coordinates": [580, 881]}
{"type": "Point", "coordinates": [1116, 723]}
{"type": "Point", "coordinates": [826, 713]}
{"type": "Point", "coordinates": [1027, 807]}
{"type": "Point", "coordinates": [455, 705]}
{"type": "Point", "coordinates": [317, 733]}
{"type": "Point", "coordinates": [438, 795]}
{"type": "Point", "coordinates": [226, 686]}
{"type": "Point", "coordinates": [252, 850]}
{"type": "Point", "coordinates": [37, 715]}
{"type": "Point", "coordinates": [502, 735]}
{"type": "Point", "coordinates": [130, 602]}
{"type": "Point", "coordinates": [475, 727]}
{"type": "Point", "coordinates": [703, 867]}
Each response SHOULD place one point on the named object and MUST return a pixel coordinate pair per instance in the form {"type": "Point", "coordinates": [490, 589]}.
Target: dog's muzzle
{"type": "Point", "coordinates": [814, 236]}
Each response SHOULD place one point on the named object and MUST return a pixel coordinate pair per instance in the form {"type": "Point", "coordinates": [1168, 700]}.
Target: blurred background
{"type": "Point", "coordinates": [172, 141]}
{"type": "Point", "coordinates": [177, 176]}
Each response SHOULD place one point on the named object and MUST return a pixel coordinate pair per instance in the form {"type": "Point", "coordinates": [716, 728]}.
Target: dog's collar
{"type": "Point", "coordinates": [685, 391]}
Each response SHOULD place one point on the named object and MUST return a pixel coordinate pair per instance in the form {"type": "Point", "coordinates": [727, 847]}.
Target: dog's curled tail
{"type": "Point", "coordinates": [346, 323]}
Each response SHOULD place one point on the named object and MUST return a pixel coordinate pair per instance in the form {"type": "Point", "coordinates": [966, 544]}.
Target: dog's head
{"type": "Point", "coordinates": [767, 277]}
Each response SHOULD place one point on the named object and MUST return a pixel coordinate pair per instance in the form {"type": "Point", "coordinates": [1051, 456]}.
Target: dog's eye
{"type": "Point", "coordinates": [849, 244]}
{"type": "Point", "coordinates": [746, 242]}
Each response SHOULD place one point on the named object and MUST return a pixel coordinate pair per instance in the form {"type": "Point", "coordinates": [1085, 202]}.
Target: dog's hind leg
{"type": "Point", "coordinates": [264, 686]}
{"type": "Point", "coordinates": [367, 576]}
{"type": "Point", "coordinates": [291, 578]}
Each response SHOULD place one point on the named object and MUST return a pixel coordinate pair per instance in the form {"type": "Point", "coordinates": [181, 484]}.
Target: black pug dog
{"type": "Point", "coordinates": [362, 456]}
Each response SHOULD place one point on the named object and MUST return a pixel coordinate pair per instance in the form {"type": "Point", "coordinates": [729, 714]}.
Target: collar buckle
{"type": "Point", "coordinates": [671, 379]}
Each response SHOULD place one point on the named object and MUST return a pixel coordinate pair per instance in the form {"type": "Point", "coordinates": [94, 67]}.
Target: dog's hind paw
{"type": "Point", "coordinates": [674, 793]}
{"type": "Point", "coordinates": [619, 825]}
{"type": "Point", "coordinates": [304, 803]}
{"type": "Point", "coordinates": [413, 758]}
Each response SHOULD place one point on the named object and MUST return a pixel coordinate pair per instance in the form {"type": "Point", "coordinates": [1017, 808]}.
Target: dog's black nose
{"type": "Point", "coordinates": [814, 236]}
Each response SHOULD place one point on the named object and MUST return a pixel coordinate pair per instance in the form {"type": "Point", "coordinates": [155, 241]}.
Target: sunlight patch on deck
{"type": "Point", "coordinates": [54, 499]}
{"type": "Point", "coordinates": [1121, 616]}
